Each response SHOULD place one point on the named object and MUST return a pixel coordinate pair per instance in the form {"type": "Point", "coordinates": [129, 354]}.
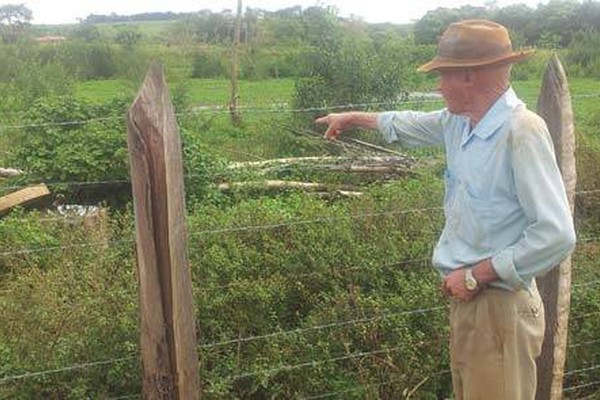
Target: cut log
{"type": "Point", "coordinates": [284, 185]}
{"type": "Point", "coordinates": [23, 197]}
{"type": "Point", "coordinates": [9, 172]}
{"type": "Point", "coordinates": [362, 160]}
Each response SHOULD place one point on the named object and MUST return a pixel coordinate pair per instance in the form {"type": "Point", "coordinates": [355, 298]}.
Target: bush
{"type": "Point", "coordinates": [91, 146]}
{"type": "Point", "coordinates": [360, 72]}
{"type": "Point", "coordinates": [533, 67]}
{"type": "Point", "coordinates": [27, 75]}
{"type": "Point", "coordinates": [209, 64]}
{"type": "Point", "coordinates": [583, 55]}
{"type": "Point", "coordinates": [69, 307]}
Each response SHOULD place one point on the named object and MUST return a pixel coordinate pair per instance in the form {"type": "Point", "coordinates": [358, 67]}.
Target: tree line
{"type": "Point", "coordinates": [552, 25]}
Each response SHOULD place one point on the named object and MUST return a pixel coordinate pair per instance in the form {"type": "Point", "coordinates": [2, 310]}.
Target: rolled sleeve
{"type": "Point", "coordinates": [505, 268]}
{"type": "Point", "coordinates": [413, 128]}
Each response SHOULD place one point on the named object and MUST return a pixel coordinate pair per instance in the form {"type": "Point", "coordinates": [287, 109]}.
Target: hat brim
{"type": "Point", "coordinates": [440, 62]}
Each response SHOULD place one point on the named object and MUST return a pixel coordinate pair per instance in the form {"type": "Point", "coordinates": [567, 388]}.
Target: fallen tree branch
{"type": "Point", "coordinates": [375, 147]}
{"type": "Point", "coordinates": [364, 161]}
{"type": "Point", "coordinates": [285, 185]}
{"type": "Point", "coordinates": [10, 172]}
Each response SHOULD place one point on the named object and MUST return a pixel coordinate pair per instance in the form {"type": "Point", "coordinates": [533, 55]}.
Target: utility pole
{"type": "Point", "coordinates": [233, 104]}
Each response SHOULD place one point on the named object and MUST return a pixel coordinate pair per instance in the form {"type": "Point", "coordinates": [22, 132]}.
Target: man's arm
{"type": "Point", "coordinates": [345, 121]}
{"type": "Point", "coordinates": [410, 128]}
{"type": "Point", "coordinates": [550, 236]}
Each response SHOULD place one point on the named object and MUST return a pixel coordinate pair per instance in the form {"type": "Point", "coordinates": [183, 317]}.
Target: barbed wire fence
{"type": "Point", "coordinates": [325, 219]}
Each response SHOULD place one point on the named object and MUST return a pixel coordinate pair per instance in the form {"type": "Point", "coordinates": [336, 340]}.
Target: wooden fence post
{"type": "Point", "coordinates": [167, 328]}
{"type": "Point", "coordinates": [233, 105]}
{"type": "Point", "coordinates": [554, 105]}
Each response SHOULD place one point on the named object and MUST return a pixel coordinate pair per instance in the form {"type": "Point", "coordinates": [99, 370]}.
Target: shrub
{"type": "Point", "coordinates": [208, 64]}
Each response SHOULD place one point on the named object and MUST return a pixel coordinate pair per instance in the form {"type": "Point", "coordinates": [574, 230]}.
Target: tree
{"type": "Point", "coordinates": [14, 19]}
{"type": "Point", "coordinates": [556, 23]}
{"type": "Point", "coordinates": [128, 38]}
{"type": "Point", "coordinates": [429, 28]}
{"type": "Point", "coordinates": [87, 33]}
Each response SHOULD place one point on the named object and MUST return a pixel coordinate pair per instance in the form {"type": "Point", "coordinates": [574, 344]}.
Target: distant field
{"type": "Point", "coordinates": [272, 93]}
{"type": "Point", "coordinates": [150, 30]}
{"type": "Point", "coordinates": [202, 92]}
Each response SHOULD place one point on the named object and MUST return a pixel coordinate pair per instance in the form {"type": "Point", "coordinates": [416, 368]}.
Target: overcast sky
{"type": "Point", "coordinates": [399, 11]}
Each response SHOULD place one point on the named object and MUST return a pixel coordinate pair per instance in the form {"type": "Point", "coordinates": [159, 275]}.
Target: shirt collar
{"type": "Point", "coordinates": [495, 116]}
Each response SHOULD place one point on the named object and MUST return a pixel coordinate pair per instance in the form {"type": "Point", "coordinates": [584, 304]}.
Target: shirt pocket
{"type": "Point", "coordinates": [467, 215]}
{"type": "Point", "coordinates": [449, 188]}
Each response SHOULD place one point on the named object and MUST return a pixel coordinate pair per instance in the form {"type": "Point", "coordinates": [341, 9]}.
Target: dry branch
{"type": "Point", "coordinates": [9, 172]}
{"type": "Point", "coordinates": [285, 185]}
{"type": "Point", "coordinates": [397, 165]}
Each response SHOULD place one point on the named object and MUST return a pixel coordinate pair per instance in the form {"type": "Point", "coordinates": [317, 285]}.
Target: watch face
{"type": "Point", "coordinates": [470, 281]}
{"type": "Point", "coordinates": [471, 284]}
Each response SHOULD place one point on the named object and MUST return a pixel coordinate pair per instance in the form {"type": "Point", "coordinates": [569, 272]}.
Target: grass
{"type": "Point", "coordinates": [201, 92]}
{"type": "Point", "coordinates": [112, 324]}
{"type": "Point", "coordinates": [256, 96]}
{"type": "Point", "coordinates": [104, 90]}
{"type": "Point", "coordinates": [151, 31]}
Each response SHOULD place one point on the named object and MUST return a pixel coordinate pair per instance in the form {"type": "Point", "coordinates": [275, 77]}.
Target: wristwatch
{"type": "Point", "coordinates": [470, 281]}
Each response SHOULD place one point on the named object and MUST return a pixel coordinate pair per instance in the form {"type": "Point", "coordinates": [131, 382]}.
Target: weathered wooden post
{"type": "Point", "coordinates": [167, 328]}
{"type": "Point", "coordinates": [233, 105]}
{"type": "Point", "coordinates": [554, 105]}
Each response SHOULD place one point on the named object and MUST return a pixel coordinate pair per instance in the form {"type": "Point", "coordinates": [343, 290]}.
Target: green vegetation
{"type": "Point", "coordinates": [297, 294]}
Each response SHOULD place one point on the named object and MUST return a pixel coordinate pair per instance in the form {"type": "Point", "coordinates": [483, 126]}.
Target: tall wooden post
{"type": "Point", "coordinates": [233, 105]}
{"type": "Point", "coordinates": [554, 105]}
{"type": "Point", "coordinates": [167, 328]}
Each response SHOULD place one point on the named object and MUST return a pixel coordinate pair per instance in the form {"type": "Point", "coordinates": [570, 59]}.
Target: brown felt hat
{"type": "Point", "coordinates": [473, 43]}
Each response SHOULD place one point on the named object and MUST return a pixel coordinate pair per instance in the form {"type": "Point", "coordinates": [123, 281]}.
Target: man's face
{"type": "Point", "coordinates": [454, 87]}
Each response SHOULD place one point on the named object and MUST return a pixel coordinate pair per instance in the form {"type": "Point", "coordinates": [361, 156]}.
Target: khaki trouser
{"type": "Point", "coordinates": [494, 342]}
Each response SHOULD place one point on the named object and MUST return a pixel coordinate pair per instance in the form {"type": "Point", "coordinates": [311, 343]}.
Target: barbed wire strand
{"type": "Point", "coordinates": [584, 192]}
{"type": "Point", "coordinates": [323, 326]}
{"type": "Point", "coordinates": [187, 176]}
{"type": "Point", "coordinates": [230, 230]}
{"type": "Point", "coordinates": [28, 375]}
{"type": "Point", "coordinates": [70, 183]}
{"type": "Point", "coordinates": [358, 388]}
{"type": "Point", "coordinates": [582, 316]}
{"type": "Point", "coordinates": [253, 338]}
{"type": "Point", "coordinates": [253, 281]}
{"type": "Point", "coordinates": [312, 363]}
{"type": "Point", "coordinates": [586, 240]}
{"type": "Point", "coordinates": [593, 396]}
{"type": "Point", "coordinates": [581, 344]}
{"type": "Point", "coordinates": [578, 371]}
{"type": "Point", "coordinates": [584, 284]}
{"type": "Point", "coordinates": [217, 109]}
{"type": "Point", "coordinates": [313, 221]}
{"type": "Point", "coordinates": [124, 397]}
{"type": "Point", "coordinates": [66, 247]}
{"type": "Point", "coordinates": [60, 123]}
{"type": "Point", "coordinates": [224, 109]}
{"type": "Point", "coordinates": [583, 386]}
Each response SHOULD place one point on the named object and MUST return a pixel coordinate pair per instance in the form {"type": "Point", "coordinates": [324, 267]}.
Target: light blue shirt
{"type": "Point", "coordinates": [505, 198]}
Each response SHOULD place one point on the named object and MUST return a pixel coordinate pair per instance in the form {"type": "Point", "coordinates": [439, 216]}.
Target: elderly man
{"type": "Point", "coordinates": [507, 215]}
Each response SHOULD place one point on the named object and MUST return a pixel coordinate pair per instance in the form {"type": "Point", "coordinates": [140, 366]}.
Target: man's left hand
{"type": "Point", "coordinates": [454, 286]}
